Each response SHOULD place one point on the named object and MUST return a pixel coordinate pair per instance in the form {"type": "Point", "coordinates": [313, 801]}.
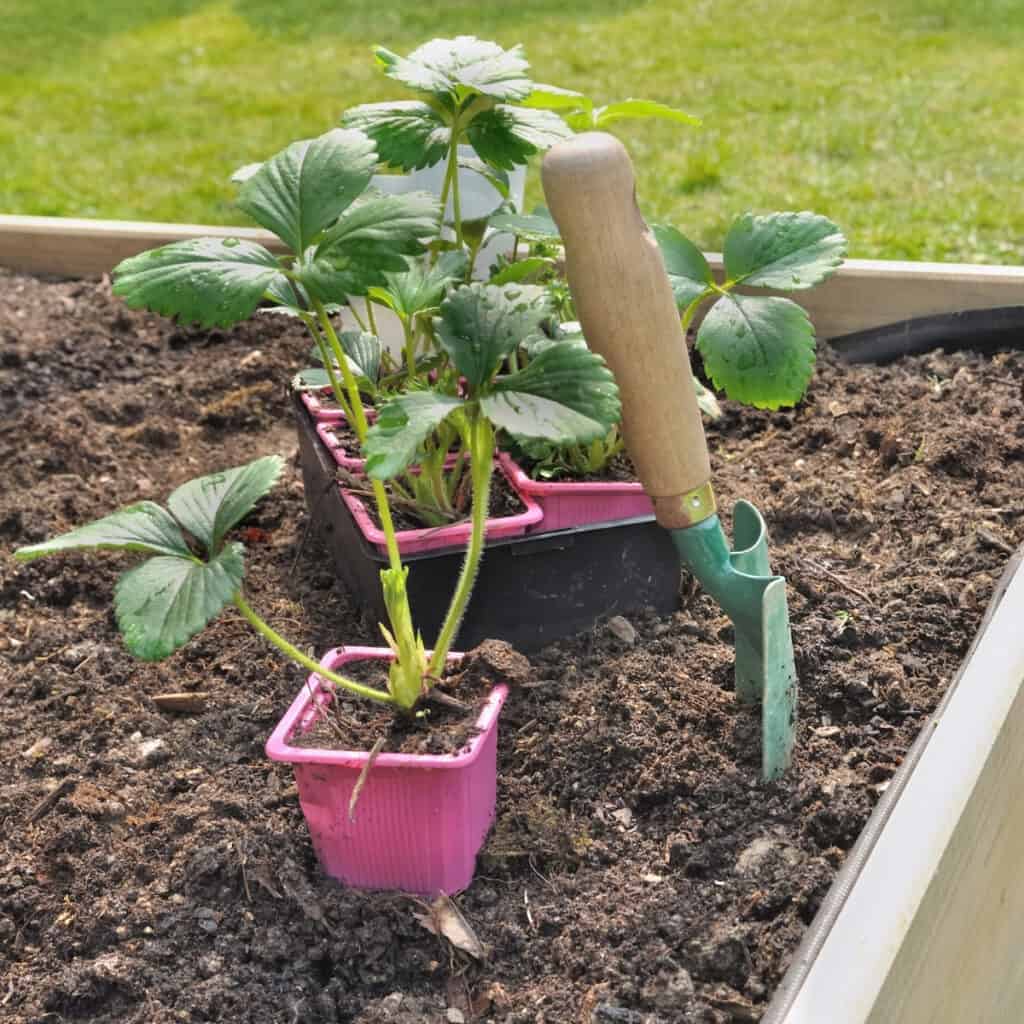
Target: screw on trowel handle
{"type": "Point", "coordinates": [625, 305]}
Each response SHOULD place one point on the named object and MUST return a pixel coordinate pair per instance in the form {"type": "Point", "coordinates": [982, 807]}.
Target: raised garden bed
{"type": "Point", "coordinates": [635, 855]}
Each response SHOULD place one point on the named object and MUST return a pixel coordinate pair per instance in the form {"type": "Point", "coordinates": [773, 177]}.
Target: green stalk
{"type": "Point", "coordinates": [410, 348]}
{"type": "Point", "coordinates": [481, 460]}
{"type": "Point", "coordinates": [451, 183]}
{"type": "Point", "coordinates": [325, 355]}
{"type": "Point", "coordinates": [358, 420]}
{"type": "Point", "coordinates": [360, 425]}
{"type": "Point", "coordinates": [372, 318]}
{"type": "Point", "coordinates": [355, 315]}
{"type": "Point", "coordinates": [691, 310]}
{"type": "Point", "coordinates": [306, 662]}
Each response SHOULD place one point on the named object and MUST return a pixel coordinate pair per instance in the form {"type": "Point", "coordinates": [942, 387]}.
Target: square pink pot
{"type": "Point", "coordinates": [420, 820]}
{"type": "Point", "coordinates": [567, 504]}
{"type": "Point", "coordinates": [326, 431]}
{"type": "Point", "coordinates": [317, 404]}
{"type": "Point", "coordinates": [341, 455]}
{"type": "Point", "coordinates": [434, 538]}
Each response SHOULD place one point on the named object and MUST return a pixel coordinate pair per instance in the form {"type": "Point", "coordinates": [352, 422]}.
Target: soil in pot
{"type": "Point", "coordinates": [444, 722]}
{"type": "Point", "coordinates": [504, 501]}
{"type": "Point", "coordinates": [638, 870]}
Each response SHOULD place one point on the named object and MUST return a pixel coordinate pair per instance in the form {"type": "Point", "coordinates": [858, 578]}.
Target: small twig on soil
{"type": "Point", "coordinates": [191, 703]}
{"type": "Point", "coordinates": [309, 526]}
{"type": "Point", "coordinates": [992, 540]}
{"type": "Point", "coordinates": [242, 859]}
{"type": "Point", "coordinates": [10, 992]}
{"type": "Point", "coordinates": [447, 700]}
{"type": "Point", "coordinates": [85, 661]}
{"type": "Point", "coordinates": [815, 567]}
{"type": "Point", "coordinates": [529, 913]}
{"type": "Point", "coordinates": [363, 776]}
{"type": "Point", "coordinates": [47, 803]}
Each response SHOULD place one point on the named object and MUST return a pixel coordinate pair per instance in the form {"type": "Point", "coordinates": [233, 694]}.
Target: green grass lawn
{"type": "Point", "coordinates": [903, 120]}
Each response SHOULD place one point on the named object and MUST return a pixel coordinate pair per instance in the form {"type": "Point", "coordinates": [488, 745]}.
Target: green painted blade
{"type": "Point", "coordinates": [742, 583]}
{"type": "Point", "coordinates": [779, 693]}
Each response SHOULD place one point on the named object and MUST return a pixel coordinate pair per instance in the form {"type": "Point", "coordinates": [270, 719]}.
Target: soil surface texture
{"type": "Point", "coordinates": [154, 864]}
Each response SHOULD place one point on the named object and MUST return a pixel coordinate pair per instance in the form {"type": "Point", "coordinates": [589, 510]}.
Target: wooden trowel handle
{"type": "Point", "coordinates": [625, 305]}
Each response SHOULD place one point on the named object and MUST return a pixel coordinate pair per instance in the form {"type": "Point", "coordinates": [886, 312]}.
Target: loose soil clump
{"type": "Point", "coordinates": [154, 866]}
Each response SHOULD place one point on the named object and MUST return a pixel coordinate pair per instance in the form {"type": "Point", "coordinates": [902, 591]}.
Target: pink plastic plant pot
{"type": "Point", "coordinates": [434, 538]}
{"type": "Point", "coordinates": [420, 819]}
{"type": "Point", "coordinates": [316, 403]}
{"type": "Point", "coordinates": [566, 504]}
{"type": "Point", "coordinates": [326, 431]}
{"type": "Point", "coordinates": [340, 454]}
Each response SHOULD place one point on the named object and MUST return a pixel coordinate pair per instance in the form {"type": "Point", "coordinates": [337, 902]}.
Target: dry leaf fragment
{"type": "Point", "coordinates": [443, 918]}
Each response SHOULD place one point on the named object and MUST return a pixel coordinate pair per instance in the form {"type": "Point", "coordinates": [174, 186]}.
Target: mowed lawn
{"type": "Point", "coordinates": [903, 120]}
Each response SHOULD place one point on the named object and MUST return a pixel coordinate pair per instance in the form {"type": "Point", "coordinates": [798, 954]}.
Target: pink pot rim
{"type": "Point", "coordinates": [526, 485]}
{"type": "Point", "coordinates": [313, 401]}
{"type": "Point", "coordinates": [325, 431]}
{"type": "Point", "coordinates": [448, 536]}
{"type": "Point", "coordinates": [318, 691]}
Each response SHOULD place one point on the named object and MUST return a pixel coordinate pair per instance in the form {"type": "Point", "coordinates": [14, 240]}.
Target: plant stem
{"type": "Point", "coordinates": [328, 361]}
{"type": "Point", "coordinates": [358, 421]}
{"type": "Point", "coordinates": [481, 461]}
{"type": "Point", "coordinates": [372, 318]}
{"type": "Point", "coordinates": [360, 425]}
{"type": "Point", "coordinates": [451, 183]}
{"type": "Point", "coordinates": [410, 348]}
{"type": "Point", "coordinates": [355, 314]}
{"type": "Point", "coordinates": [306, 662]}
{"type": "Point", "coordinates": [691, 309]}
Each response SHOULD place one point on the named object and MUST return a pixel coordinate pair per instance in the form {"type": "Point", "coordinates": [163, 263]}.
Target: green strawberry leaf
{"type": "Point", "coordinates": [211, 505]}
{"type": "Point", "coordinates": [420, 287]}
{"type": "Point", "coordinates": [495, 177]}
{"type": "Point", "coordinates": [604, 116]}
{"type": "Point", "coordinates": [521, 270]}
{"type": "Point", "coordinates": [371, 238]}
{"type": "Point", "coordinates": [242, 174]}
{"type": "Point", "coordinates": [688, 270]}
{"type": "Point", "coordinates": [363, 351]}
{"type": "Point", "coordinates": [757, 349]}
{"type": "Point", "coordinates": [538, 226]}
{"type": "Point", "coordinates": [459, 68]}
{"type": "Point", "coordinates": [161, 604]}
{"type": "Point", "coordinates": [786, 251]}
{"type": "Point", "coordinates": [306, 187]}
{"type": "Point", "coordinates": [567, 395]}
{"type": "Point", "coordinates": [332, 283]}
{"type": "Point", "coordinates": [212, 281]}
{"type": "Point", "coordinates": [505, 136]}
{"type": "Point", "coordinates": [409, 134]}
{"type": "Point", "coordinates": [553, 97]}
{"type": "Point", "coordinates": [568, 333]}
{"type": "Point", "coordinates": [313, 378]}
{"type": "Point", "coordinates": [403, 424]}
{"type": "Point", "coordinates": [481, 323]}
{"type": "Point", "coordinates": [142, 527]}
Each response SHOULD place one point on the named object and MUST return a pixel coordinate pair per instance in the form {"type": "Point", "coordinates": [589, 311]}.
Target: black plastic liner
{"type": "Point", "coordinates": [980, 330]}
{"type": "Point", "coordinates": [529, 591]}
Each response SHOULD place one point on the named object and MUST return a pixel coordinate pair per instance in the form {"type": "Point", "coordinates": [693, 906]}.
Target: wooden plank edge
{"type": "Point", "coordinates": [863, 294]}
{"type": "Point", "coordinates": [929, 933]}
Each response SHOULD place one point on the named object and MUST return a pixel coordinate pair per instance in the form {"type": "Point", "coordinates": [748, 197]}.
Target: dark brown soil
{"type": "Point", "coordinates": [638, 871]}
